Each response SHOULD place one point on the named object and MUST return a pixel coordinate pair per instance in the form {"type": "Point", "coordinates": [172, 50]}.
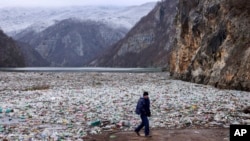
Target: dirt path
{"type": "Point", "coordinates": [167, 135]}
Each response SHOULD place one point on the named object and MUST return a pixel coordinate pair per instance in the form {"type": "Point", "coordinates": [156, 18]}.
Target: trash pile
{"type": "Point", "coordinates": [70, 106]}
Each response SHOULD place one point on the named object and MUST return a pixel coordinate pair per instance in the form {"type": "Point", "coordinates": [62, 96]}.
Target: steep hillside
{"type": "Point", "coordinates": [44, 28]}
{"type": "Point", "coordinates": [72, 43]}
{"type": "Point", "coordinates": [213, 45]}
{"type": "Point", "coordinates": [201, 41]}
{"type": "Point", "coordinates": [148, 43]}
{"type": "Point", "coordinates": [10, 54]}
{"type": "Point", "coordinates": [31, 57]}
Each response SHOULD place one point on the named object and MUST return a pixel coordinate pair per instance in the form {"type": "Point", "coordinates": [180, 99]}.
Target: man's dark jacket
{"type": "Point", "coordinates": [143, 107]}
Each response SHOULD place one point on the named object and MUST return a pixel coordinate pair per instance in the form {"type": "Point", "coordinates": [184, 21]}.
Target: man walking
{"type": "Point", "coordinates": [143, 109]}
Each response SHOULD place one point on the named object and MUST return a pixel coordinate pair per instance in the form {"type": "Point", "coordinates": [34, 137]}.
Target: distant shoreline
{"type": "Point", "coordinates": [80, 69]}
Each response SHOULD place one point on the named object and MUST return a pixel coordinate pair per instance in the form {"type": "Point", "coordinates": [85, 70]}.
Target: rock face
{"type": "Point", "coordinates": [72, 43]}
{"type": "Point", "coordinates": [148, 43]}
{"type": "Point", "coordinates": [10, 54]}
{"type": "Point", "coordinates": [213, 45]}
{"type": "Point", "coordinates": [200, 41]}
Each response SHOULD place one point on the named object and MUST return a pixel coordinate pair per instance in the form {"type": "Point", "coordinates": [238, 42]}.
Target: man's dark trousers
{"type": "Point", "coordinates": [145, 123]}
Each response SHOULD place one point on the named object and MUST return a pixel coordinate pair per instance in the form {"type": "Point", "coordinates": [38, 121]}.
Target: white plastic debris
{"type": "Point", "coordinates": [70, 106]}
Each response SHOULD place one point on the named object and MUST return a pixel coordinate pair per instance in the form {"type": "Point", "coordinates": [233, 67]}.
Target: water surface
{"type": "Point", "coordinates": [80, 69]}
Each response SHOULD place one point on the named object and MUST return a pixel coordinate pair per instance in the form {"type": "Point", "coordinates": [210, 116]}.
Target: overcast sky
{"type": "Point", "coordinates": [45, 3]}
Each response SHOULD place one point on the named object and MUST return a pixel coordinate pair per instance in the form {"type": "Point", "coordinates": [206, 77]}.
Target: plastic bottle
{"type": "Point", "coordinates": [9, 110]}
{"type": "Point", "coordinates": [1, 128]}
{"type": "Point", "coordinates": [96, 123]}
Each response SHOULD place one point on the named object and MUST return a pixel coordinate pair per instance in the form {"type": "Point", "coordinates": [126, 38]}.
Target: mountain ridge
{"type": "Point", "coordinates": [142, 41]}
{"type": "Point", "coordinates": [14, 20]}
{"type": "Point", "coordinates": [72, 42]}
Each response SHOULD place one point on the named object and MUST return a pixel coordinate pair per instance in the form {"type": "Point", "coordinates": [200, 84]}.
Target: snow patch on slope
{"type": "Point", "coordinates": [14, 20]}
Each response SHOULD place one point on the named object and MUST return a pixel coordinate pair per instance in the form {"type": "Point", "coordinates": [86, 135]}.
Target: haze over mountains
{"type": "Point", "coordinates": [147, 44]}
{"type": "Point", "coordinates": [68, 36]}
{"type": "Point", "coordinates": [72, 43]}
{"type": "Point", "coordinates": [13, 20]}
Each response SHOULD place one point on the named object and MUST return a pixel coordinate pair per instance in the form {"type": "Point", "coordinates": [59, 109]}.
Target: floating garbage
{"type": "Point", "coordinates": [96, 123]}
{"type": "Point", "coordinates": [1, 129]}
{"type": "Point", "coordinates": [246, 110]}
{"type": "Point", "coordinates": [112, 136]}
{"type": "Point", "coordinates": [125, 123]}
{"type": "Point", "coordinates": [9, 110]}
{"type": "Point", "coordinates": [75, 105]}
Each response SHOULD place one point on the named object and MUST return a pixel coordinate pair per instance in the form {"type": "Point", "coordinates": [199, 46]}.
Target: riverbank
{"type": "Point", "coordinates": [166, 135]}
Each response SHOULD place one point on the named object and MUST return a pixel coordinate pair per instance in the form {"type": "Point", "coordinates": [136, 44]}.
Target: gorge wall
{"type": "Point", "coordinates": [147, 44]}
{"type": "Point", "coordinates": [212, 43]}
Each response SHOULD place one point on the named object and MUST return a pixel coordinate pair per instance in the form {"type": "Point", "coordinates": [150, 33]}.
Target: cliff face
{"type": "Point", "coordinates": [10, 54]}
{"type": "Point", "coordinates": [213, 45]}
{"type": "Point", "coordinates": [148, 43]}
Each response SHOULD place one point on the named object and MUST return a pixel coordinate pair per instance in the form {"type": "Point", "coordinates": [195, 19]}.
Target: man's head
{"type": "Point", "coordinates": [145, 94]}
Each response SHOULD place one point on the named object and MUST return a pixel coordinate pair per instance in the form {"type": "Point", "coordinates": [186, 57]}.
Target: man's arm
{"type": "Point", "coordinates": [147, 107]}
